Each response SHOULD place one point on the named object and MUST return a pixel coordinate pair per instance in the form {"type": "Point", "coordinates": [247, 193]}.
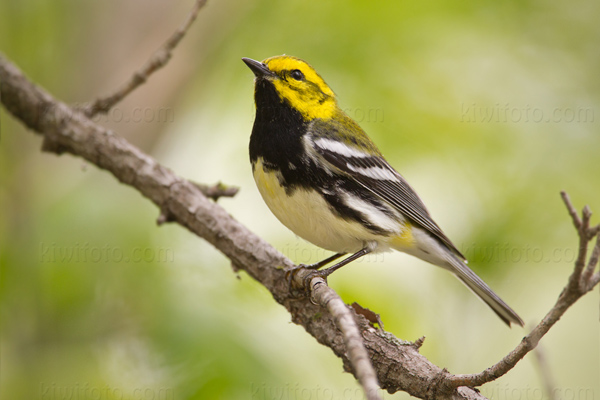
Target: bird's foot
{"type": "Point", "coordinates": [307, 272]}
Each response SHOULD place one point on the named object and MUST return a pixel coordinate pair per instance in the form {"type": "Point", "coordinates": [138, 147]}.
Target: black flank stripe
{"type": "Point", "coordinates": [333, 196]}
{"type": "Point", "coordinates": [341, 209]}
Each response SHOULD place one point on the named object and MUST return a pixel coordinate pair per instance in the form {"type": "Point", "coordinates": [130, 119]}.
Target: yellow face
{"type": "Point", "coordinates": [298, 83]}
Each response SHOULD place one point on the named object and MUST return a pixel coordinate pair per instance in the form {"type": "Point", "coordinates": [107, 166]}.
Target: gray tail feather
{"type": "Point", "coordinates": [481, 289]}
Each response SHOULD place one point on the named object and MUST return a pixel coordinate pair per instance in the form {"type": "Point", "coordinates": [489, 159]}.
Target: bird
{"type": "Point", "coordinates": [325, 179]}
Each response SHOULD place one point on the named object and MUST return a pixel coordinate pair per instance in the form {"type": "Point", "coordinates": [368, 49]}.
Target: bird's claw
{"type": "Point", "coordinates": [304, 289]}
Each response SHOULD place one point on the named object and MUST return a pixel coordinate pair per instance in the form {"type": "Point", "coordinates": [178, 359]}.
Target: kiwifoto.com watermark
{"type": "Point", "coordinates": [136, 115]}
{"type": "Point", "coordinates": [296, 392]}
{"type": "Point", "coordinates": [91, 253]}
{"type": "Point", "coordinates": [507, 392]}
{"type": "Point", "coordinates": [115, 114]}
{"type": "Point", "coordinates": [499, 252]}
{"type": "Point", "coordinates": [87, 391]}
{"type": "Point", "coordinates": [509, 253]}
{"type": "Point", "coordinates": [365, 114]}
{"type": "Point", "coordinates": [507, 113]}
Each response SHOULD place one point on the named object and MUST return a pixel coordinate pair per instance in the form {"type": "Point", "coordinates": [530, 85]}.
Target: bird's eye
{"type": "Point", "coordinates": [297, 75]}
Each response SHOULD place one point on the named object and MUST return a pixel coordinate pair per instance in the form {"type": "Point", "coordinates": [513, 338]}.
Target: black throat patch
{"type": "Point", "coordinates": [277, 133]}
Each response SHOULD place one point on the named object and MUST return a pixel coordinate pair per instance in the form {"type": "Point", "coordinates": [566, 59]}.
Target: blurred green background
{"type": "Point", "coordinates": [489, 109]}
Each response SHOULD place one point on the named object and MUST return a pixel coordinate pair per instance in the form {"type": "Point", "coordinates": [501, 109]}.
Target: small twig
{"type": "Point", "coordinates": [213, 192]}
{"type": "Point", "coordinates": [357, 353]}
{"type": "Point", "coordinates": [528, 343]}
{"type": "Point", "coordinates": [586, 276]}
{"type": "Point", "coordinates": [419, 342]}
{"type": "Point", "coordinates": [218, 190]}
{"type": "Point", "coordinates": [578, 286]}
{"type": "Point", "coordinates": [571, 209]}
{"type": "Point", "coordinates": [577, 279]}
{"type": "Point", "coordinates": [359, 358]}
{"type": "Point", "coordinates": [158, 60]}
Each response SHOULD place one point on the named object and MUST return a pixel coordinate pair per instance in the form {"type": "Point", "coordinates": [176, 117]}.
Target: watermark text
{"type": "Point", "coordinates": [90, 253]}
{"type": "Point", "coordinates": [514, 114]}
{"type": "Point", "coordinates": [87, 391]}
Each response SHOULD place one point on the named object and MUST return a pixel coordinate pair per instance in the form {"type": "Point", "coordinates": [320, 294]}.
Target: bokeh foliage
{"type": "Point", "coordinates": [489, 110]}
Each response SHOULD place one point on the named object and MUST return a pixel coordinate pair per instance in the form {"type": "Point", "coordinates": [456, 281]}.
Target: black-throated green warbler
{"type": "Point", "coordinates": [324, 179]}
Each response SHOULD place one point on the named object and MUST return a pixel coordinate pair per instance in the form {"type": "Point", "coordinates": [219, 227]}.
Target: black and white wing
{"type": "Point", "coordinates": [373, 173]}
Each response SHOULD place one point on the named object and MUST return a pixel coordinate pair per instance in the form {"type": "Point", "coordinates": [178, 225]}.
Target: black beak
{"type": "Point", "coordinates": [257, 67]}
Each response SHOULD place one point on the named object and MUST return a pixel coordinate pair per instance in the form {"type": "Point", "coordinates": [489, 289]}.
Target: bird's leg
{"type": "Point", "coordinates": [322, 262]}
{"type": "Point", "coordinates": [291, 272]}
{"type": "Point", "coordinates": [326, 272]}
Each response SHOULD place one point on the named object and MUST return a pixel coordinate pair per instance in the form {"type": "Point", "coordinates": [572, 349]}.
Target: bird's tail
{"type": "Point", "coordinates": [481, 289]}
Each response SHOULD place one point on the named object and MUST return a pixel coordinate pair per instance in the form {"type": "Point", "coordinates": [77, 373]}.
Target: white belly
{"type": "Point", "coordinates": [309, 216]}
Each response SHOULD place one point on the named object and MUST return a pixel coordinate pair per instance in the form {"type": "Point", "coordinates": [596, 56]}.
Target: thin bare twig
{"type": "Point", "coordinates": [218, 190]}
{"type": "Point", "coordinates": [586, 277]}
{"type": "Point", "coordinates": [577, 287]}
{"type": "Point", "coordinates": [358, 356]}
{"type": "Point", "coordinates": [572, 211]}
{"type": "Point", "coordinates": [158, 60]}
{"type": "Point", "coordinates": [583, 225]}
{"type": "Point", "coordinates": [213, 192]}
